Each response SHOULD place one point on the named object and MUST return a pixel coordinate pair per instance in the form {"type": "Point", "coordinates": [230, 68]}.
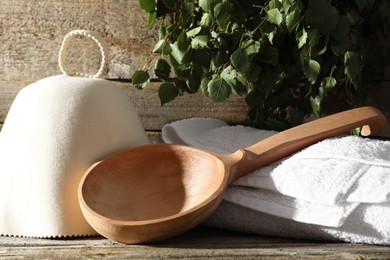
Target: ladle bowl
{"type": "Point", "coordinates": [153, 192]}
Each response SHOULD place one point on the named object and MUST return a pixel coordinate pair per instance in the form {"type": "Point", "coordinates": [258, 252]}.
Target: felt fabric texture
{"type": "Point", "coordinates": [55, 130]}
{"type": "Point", "coordinates": [338, 188]}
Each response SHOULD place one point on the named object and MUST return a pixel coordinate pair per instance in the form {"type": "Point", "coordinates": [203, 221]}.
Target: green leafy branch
{"type": "Point", "coordinates": [285, 57]}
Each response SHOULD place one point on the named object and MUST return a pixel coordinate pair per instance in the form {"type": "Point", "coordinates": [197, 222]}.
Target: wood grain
{"type": "Point", "coordinates": [199, 243]}
{"type": "Point", "coordinates": [154, 116]}
{"type": "Point", "coordinates": [31, 33]}
{"type": "Point", "coordinates": [147, 103]}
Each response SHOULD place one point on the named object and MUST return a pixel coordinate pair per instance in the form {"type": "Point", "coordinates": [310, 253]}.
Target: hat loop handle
{"type": "Point", "coordinates": [85, 33]}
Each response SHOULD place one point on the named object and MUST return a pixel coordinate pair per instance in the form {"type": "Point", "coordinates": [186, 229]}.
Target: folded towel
{"type": "Point", "coordinates": [368, 223]}
{"type": "Point", "coordinates": [277, 204]}
{"type": "Point", "coordinates": [322, 185]}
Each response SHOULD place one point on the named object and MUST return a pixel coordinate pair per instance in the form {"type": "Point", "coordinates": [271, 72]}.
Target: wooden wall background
{"type": "Point", "coordinates": [31, 33]}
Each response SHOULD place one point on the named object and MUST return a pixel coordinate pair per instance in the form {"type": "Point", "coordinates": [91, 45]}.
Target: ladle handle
{"type": "Point", "coordinates": [292, 140]}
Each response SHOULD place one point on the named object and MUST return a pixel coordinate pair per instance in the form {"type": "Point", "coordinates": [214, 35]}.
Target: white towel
{"type": "Point", "coordinates": [340, 186]}
{"type": "Point", "coordinates": [368, 223]}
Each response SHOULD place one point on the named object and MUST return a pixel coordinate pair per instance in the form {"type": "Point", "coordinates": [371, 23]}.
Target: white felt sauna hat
{"type": "Point", "coordinates": [55, 130]}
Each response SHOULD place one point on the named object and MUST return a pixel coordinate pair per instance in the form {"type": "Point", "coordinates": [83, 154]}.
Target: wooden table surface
{"type": "Point", "coordinates": [199, 243]}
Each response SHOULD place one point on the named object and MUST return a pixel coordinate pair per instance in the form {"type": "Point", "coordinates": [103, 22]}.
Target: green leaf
{"type": "Point", "coordinates": [194, 79]}
{"type": "Point", "coordinates": [162, 32]}
{"type": "Point", "coordinates": [187, 9]}
{"type": "Point", "coordinates": [188, 56]}
{"type": "Point", "coordinates": [232, 78]}
{"type": "Point", "coordinates": [311, 69]}
{"type": "Point", "coordinates": [194, 31]}
{"type": "Point", "coordinates": [205, 5]}
{"type": "Point", "coordinates": [140, 79]}
{"type": "Point", "coordinates": [162, 69]}
{"type": "Point", "coordinates": [340, 36]}
{"type": "Point", "coordinates": [253, 73]}
{"type": "Point", "coordinates": [274, 4]}
{"type": "Point", "coordinates": [356, 131]}
{"type": "Point", "coordinates": [176, 53]}
{"type": "Point", "coordinates": [206, 20]}
{"type": "Point", "coordinates": [151, 19]}
{"type": "Point", "coordinates": [292, 20]}
{"type": "Point", "coordinates": [267, 27]}
{"type": "Point", "coordinates": [305, 54]}
{"type": "Point", "coordinates": [181, 86]}
{"type": "Point", "coordinates": [322, 15]}
{"type": "Point", "coordinates": [274, 16]}
{"type": "Point", "coordinates": [167, 92]}
{"type": "Point", "coordinates": [183, 42]}
{"type": "Point", "coordinates": [242, 82]}
{"type": "Point", "coordinates": [182, 71]}
{"type": "Point", "coordinates": [271, 36]}
{"type": "Point", "coordinates": [206, 78]}
{"type": "Point", "coordinates": [240, 60]}
{"type": "Point", "coordinates": [162, 47]}
{"type": "Point", "coordinates": [319, 44]}
{"type": "Point", "coordinates": [229, 75]}
{"type": "Point", "coordinates": [287, 4]}
{"type": "Point", "coordinates": [147, 5]}
{"type": "Point", "coordinates": [252, 100]}
{"type": "Point", "coordinates": [222, 55]}
{"type": "Point", "coordinates": [218, 89]}
{"type": "Point", "coordinates": [353, 64]}
{"type": "Point", "coordinates": [222, 13]}
{"type": "Point", "coordinates": [271, 56]}
{"type": "Point", "coordinates": [200, 41]}
{"type": "Point", "coordinates": [201, 57]}
{"type": "Point", "coordinates": [252, 47]}
{"type": "Point", "coordinates": [314, 36]}
{"type": "Point", "coordinates": [328, 82]}
{"type": "Point", "coordinates": [316, 105]}
{"type": "Point", "coordinates": [301, 38]}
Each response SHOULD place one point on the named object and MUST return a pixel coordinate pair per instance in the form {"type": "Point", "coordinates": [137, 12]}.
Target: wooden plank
{"type": "Point", "coordinates": [8, 92]}
{"type": "Point", "coordinates": [199, 243]}
{"type": "Point", "coordinates": [147, 103]}
{"type": "Point", "coordinates": [31, 33]}
{"type": "Point", "coordinates": [154, 137]}
{"type": "Point", "coordinates": [153, 116]}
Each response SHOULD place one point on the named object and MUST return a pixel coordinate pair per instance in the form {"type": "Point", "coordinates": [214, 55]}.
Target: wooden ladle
{"type": "Point", "coordinates": [157, 191]}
